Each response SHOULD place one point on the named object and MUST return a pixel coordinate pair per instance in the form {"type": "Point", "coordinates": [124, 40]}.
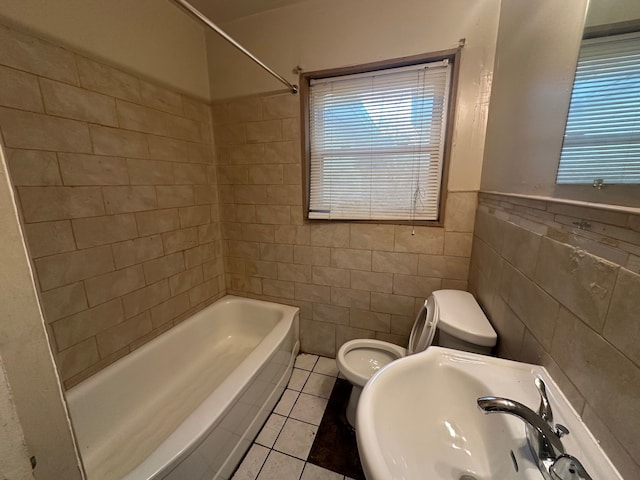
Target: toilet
{"type": "Point", "coordinates": [454, 314]}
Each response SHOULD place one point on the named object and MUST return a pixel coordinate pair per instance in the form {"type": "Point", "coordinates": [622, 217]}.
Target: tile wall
{"type": "Point", "coordinates": [116, 180]}
{"type": "Point", "coordinates": [351, 280]}
{"type": "Point", "coordinates": [561, 285]}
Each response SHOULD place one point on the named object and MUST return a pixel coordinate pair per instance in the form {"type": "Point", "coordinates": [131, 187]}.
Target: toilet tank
{"type": "Point", "coordinates": [462, 324]}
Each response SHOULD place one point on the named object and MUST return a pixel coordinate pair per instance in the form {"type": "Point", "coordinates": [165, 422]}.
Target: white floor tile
{"type": "Point", "coordinates": [319, 385]}
{"type": "Point", "coordinates": [298, 379]}
{"type": "Point", "coordinates": [309, 408]}
{"type": "Point", "coordinates": [252, 463]}
{"type": "Point", "coordinates": [313, 472]}
{"type": "Point", "coordinates": [271, 430]}
{"type": "Point", "coordinates": [281, 467]}
{"type": "Point", "coordinates": [326, 366]}
{"type": "Point", "coordinates": [296, 439]}
{"type": "Point", "coordinates": [286, 403]}
{"type": "Point", "coordinates": [306, 361]}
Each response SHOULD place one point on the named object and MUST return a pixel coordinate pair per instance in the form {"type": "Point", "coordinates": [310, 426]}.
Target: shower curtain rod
{"type": "Point", "coordinates": [204, 19]}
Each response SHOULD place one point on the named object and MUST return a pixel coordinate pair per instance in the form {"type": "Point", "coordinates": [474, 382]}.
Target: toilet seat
{"type": "Point", "coordinates": [424, 328]}
{"type": "Point", "coordinates": [358, 360]}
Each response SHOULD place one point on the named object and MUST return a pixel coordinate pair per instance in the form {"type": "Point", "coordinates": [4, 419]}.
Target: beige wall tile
{"type": "Point", "coordinates": [419, 240]}
{"type": "Point", "coordinates": [196, 110]}
{"type": "Point", "coordinates": [25, 52]}
{"type": "Point", "coordinates": [415, 286]}
{"type": "Point", "coordinates": [372, 237]}
{"type": "Point", "coordinates": [282, 152]}
{"type": "Point", "coordinates": [622, 328]}
{"type": "Point", "coordinates": [42, 132]}
{"type": "Point", "coordinates": [149, 172]}
{"type": "Point", "coordinates": [180, 239]}
{"type": "Point", "coordinates": [582, 282]}
{"type": "Point", "coordinates": [33, 167]}
{"type": "Point", "coordinates": [49, 238]}
{"type": "Point", "coordinates": [330, 314]}
{"type": "Point", "coordinates": [114, 284]}
{"type": "Point", "coordinates": [312, 293]}
{"type": "Point", "coordinates": [145, 298]}
{"type": "Point", "coordinates": [330, 234]}
{"type": "Point", "coordinates": [163, 148]}
{"type": "Point", "coordinates": [258, 233]}
{"type": "Point", "coordinates": [136, 251]}
{"type": "Point", "coordinates": [65, 268]}
{"type": "Point", "coordinates": [393, 304]}
{"type": "Point", "coordinates": [228, 134]}
{"type": "Point", "coordinates": [351, 258]}
{"type": "Point", "coordinates": [311, 255]}
{"type": "Point", "coordinates": [490, 229]}
{"type": "Point", "coordinates": [278, 288]}
{"type": "Point", "coordinates": [72, 330]}
{"type": "Point", "coordinates": [189, 174]}
{"type": "Point", "coordinates": [20, 90]}
{"type": "Point", "coordinates": [294, 273]}
{"type": "Point", "coordinates": [129, 199]}
{"type": "Point", "coordinates": [487, 260]}
{"type": "Point", "coordinates": [82, 169]}
{"type": "Point", "coordinates": [291, 174]}
{"type": "Point", "coordinates": [265, 131]}
{"type": "Point", "coordinates": [401, 324]}
{"type": "Point", "coordinates": [114, 141]}
{"type": "Point", "coordinates": [603, 375]}
{"type": "Point", "coordinates": [266, 174]}
{"type": "Point", "coordinates": [157, 221]}
{"type": "Point", "coordinates": [244, 249]}
{"type": "Point", "coordinates": [380, 322]}
{"type": "Point", "coordinates": [318, 337]}
{"type": "Point", "coordinates": [458, 244]}
{"type": "Point", "coordinates": [347, 297]}
{"type": "Point", "coordinates": [167, 311]}
{"type": "Point", "coordinates": [64, 301]}
{"type": "Point", "coordinates": [192, 216]}
{"type": "Point", "coordinates": [56, 203]}
{"type": "Point", "coordinates": [509, 328]}
{"type": "Point", "coordinates": [77, 358]}
{"type": "Point", "coordinates": [460, 212]}
{"type": "Point", "coordinates": [537, 309]}
{"type": "Point", "coordinates": [143, 119]}
{"type": "Point", "coordinates": [273, 214]}
{"type": "Point", "coordinates": [183, 282]}
{"type": "Point", "coordinates": [281, 106]}
{"type": "Point", "coordinates": [203, 292]}
{"type": "Point", "coordinates": [441, 266]}
{"type": "Point", "coordinates": [521, 248]}
{"type": "Point", "coordinates": [94, 231]}
{"type": "Point", "coordinates": [276, 253]}
{"type": "Point", "coordinates": [250, 194]}
{"type": "Point", "coordinates": [372, 281]}
{"type": "Point", "coordinates": [233, 174]}
{"type": "Point", "coordinates": [291, 128]}
{"type": "Point", "coordinates": [333, 277]}
{"type": "Point", "coordinates": [163, 267]}
{"type": "Point", "coordinates": [161, 98]}
{"type": "Point", "coordinates": [344, 334]}
{"type": "Point", "coordinates": [201, 153]}
{"type": "Point", "coordinates": [406, 263]}
{"type": "Point", "coordinates": [119, 336]}
{"type": "Point", "coordinates": [284, 195]}
{"type": "Point", "coordinates": [68, 101]}
{"type": "Point", "coordinates": [260, 268]}
{"type": "Point", "coordinates": [241, 154]}
{"type": "Point", "coordinates": [102, 78]}
{"type": "Point", "coordinates": [178, 196]}
{"type": "Point", "coordinates": [293, 234]}
{"type": "Point", "coordinates": [244, 110]}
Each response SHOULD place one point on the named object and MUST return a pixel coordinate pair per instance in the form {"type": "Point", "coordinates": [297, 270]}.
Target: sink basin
{"type": "Point", "coordinates": [418, 419]}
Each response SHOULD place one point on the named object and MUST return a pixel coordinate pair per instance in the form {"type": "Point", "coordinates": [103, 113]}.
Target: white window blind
{"type": "Point", "coordinates": [602, 138]}
{"type": "Point", "coordinates": [377, 143]}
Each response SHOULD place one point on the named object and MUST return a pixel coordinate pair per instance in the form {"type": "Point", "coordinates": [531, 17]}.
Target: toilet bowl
{"type": "Point", "coordinates": [454, 314]}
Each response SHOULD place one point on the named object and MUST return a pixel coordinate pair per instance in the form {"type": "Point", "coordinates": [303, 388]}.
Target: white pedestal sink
{"type": "Point", "coordinates": [418, 419]}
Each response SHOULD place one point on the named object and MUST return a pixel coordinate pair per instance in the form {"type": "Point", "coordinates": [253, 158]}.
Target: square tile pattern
{"type": "Point", "coordinates": [281, 449]}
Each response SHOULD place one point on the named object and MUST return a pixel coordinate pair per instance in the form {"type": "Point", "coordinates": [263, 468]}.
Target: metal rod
{"type": "Point", "coordinates": [204, 19]}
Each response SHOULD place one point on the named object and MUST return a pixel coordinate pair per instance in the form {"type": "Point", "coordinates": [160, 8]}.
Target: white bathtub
{"type": "Point", "coordinates": [187, 404]}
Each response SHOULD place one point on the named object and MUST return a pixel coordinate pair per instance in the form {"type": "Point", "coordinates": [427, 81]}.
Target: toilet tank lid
{"type": "Point", "coordinates": [462, 317]}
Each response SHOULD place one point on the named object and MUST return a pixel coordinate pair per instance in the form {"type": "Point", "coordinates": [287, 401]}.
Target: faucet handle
{"type": "Point", "coordinates": [545, 407]}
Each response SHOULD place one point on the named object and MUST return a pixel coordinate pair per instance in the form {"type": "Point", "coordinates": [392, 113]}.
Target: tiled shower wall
{"type": "Point", "coordinates": [350, 280]}
{"type": "Point", "coordinates": [116, 184]}
{"type": "Point", "coordinates": [561, 285]}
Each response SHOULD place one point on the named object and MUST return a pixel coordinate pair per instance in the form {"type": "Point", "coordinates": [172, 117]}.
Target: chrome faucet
{"type": "Point", "coordinates": [543, 438]}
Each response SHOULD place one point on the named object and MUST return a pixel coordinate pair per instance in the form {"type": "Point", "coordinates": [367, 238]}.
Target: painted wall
{"type": "Point", "coordinates": [603, 12]}
{"type": "Point", "coordinates": [27, 357]}
{"type": "Point", "coordinates": [151, 38]}
{"type": "Point", "coordinates": [320, 34]}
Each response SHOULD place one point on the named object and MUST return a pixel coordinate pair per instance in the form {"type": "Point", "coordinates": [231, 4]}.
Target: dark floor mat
{"type": "Point", "coordinates": [334, 447]}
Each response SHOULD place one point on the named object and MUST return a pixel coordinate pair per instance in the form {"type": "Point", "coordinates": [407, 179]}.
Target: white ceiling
{"type": "Point", "coordinates": [222, 11]}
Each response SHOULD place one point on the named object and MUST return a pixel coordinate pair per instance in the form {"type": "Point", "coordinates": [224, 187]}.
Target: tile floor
{"type": "Point", "coordinates": [281, 448]}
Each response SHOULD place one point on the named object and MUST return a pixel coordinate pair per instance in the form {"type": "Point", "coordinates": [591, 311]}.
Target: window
{"type": "Point", "coordinates": [602, 137]}
{"type": "Point", "coordinates": [376, 142]}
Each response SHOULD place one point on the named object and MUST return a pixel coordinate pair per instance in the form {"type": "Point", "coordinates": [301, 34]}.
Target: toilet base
{"type": "Point", "coordinates": [353, 405]}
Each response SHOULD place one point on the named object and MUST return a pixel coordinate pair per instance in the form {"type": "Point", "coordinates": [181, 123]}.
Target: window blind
{"type": "Point", "coordinates": [377, 143]}
{"type": "Point", "coordinates": [602, 137]}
